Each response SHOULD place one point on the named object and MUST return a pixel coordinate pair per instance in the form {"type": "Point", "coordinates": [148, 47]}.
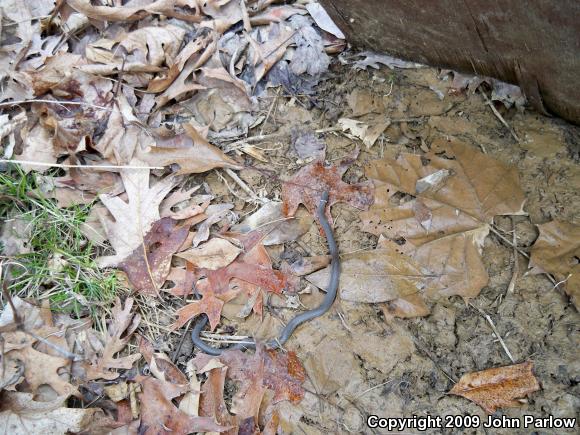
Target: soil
{"type": "Point", "coordinates": [361, 361]}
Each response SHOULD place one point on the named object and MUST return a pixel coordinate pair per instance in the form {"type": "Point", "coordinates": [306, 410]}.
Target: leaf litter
{"type": "Point", "coordinates": [137, 109]}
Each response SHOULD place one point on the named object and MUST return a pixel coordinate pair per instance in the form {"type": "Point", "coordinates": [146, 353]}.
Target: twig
{"type": "Point", "coordinates": [274, 102]}
{"type": "Point", "coordinates": [495, 331]}
{"type": "Point", "coordinates": [244, 186]}
{"type": "Point", "coordinates": [221, 337]}
{"type": "Point", "coordinates": [66, 166]}
{"type": "Point", "coordinates": [508, 242]}
{"type": "Point", "coordinates": [501, 118]}
{"type": "Point", "coordinates": [64, 352]}
{"type": "Point", "coordinates": [58, 102]}
{"type": "Point", "coordinates": [516, 271]}
{"type": "Point", "coordinates": [259, 138]}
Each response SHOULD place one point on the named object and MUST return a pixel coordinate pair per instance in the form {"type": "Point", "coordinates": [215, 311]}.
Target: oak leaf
{"type": "Point", "coordinates": [212, 255]}
{"type": "Point", "coordinates": [557, 251]}
{"type": "Point", "coordinates": [123, 324]}
{"type": "Point", "coordinates": [134, 218]}
{"type": "Point", "coordinates": [253, 267]}
{"type": "Point", "coordinates": [498, 387]}
{"type": "Point", "coordinates": [446, 213]}
{"type": "Point", "coordinates": [309, 183]}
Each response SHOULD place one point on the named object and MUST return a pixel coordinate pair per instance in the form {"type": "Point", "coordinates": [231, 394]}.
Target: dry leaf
{"type": "Point", "coordinates": [193, 155]}
{"type": "Point", "coordinates": [250, 271]}
{"type": "Point", "coordinates": [309, 183]}
{"type": "Point", "coordinates": [160, 416]}
{"type": "Point", "coordinates": [132, 219]}
{"type": "Point", "coordinates": [452, 203]}
{"type": "Point", "coordinates": [557, 251]}
{"type": "Point", "coordinates": [123, 324]}
{"type": "Point", "coordinates": [212, 255]}
{"type": "Point", "coordinates": [498, 387]}
{"type": "Point", "coordinates": [21, 415]}
{"type": "Point", "coordinates": [148, 265]}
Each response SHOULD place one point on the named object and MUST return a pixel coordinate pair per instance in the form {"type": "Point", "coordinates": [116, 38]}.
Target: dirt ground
{"type": "Point", "coordinates": [360, 360]}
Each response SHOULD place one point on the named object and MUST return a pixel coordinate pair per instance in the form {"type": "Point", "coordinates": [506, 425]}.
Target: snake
{"type": "Point", "coordinates": [299, 319]}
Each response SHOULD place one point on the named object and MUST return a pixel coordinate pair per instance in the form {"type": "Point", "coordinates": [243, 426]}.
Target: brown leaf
{"type": "Point", "coordinates": [309, 183]}
{"type": "Point", "coordinates": [132, 219]}
{"type": "Point", "coordinates": [498, 387]}
{"type": "Point", "coordinates": [123, 324]}
{"type": "Point", "coordinates": [280, 372]}
{"type": "Point", "coordinates": [148, 265]}
{"type": "Point", "coordinates": [160, 416]}
{"type": "Point", "coordinates": [557, 251]}
{"type": "Point", "coordinates": [253, 267]}
{"type": "Point", "coordinates": [193, 155]}
{"type": "Point", "coordinates": [20, 414]}
{"type": "Point", "coordinates": [212, 255]}
{"type": "Point", "coordinates": [452, 203]}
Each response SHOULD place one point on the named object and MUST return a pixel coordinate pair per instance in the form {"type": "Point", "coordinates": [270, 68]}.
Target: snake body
{"type": "Point", "coordinates": [300, 318]}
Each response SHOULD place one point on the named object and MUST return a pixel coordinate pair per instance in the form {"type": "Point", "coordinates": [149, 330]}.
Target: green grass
{"type": "Point", "coordinates": [61, 263]}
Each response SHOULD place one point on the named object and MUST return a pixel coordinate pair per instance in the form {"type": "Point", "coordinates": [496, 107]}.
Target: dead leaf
{"type": "Point", "coordinates": [443, 223]}
{"type": "Point", "coordinates": [253, 267]}
{"type": "Point", "coordinates": [373, 60]}
{"type": "Point", "coordinates": [132, 219]}
{"type": "Point", "coordinates": [557, 251]}
{"type": "Point", "coordinates": [307, 145]}
{"type": "Point", "coordinates": [20, 414]}
{"type": "Point", "coordinates": [212, 255]}
{"type": "Point", "coordinates": [193, 155]}
{"type": "Point", "coordinates": [160, 416]}
{"type": "Point", "coordinates": [498, 387]}
{"type": "Point", "coordinates": [123, 324]}
{"type": "Point", "coordinates": [309, 183]}
{"type": "Point", "coordinates": [148, 265]}
{"type": "Point", "coordinates": [368, 131]}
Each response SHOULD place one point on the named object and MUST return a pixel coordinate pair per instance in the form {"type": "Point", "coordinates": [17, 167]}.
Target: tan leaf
{"type": "Point", "coordinates": [557, 251]}
{"type": "Point", "coordinates": [453, 202]}
{"type": "Point", "coordinates": [379, 275]}
{"type": "Point", "coordinates": [21, 415]}
{"type": "Point", "coordinates": [132, 219]}
{"type": "Point", "coordinates": [498, 387]}
{"type": "Point", "coordinates": [119, 332]}
{"type": "Point", "coordinates": [367, 131]}
{"type": "Point", "coordinates": [212, 255]}
{"type": "Point", "coordinates": [193, 157]}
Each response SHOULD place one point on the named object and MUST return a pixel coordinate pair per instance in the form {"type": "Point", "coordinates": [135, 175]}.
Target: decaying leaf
{"type": "Point", "coordinates": [367, 131]}
{"type": "Point", "coordinates": [310, 182]}
{"type": "Point", "coordinates": [498, 387]}
{"type": "Point", "coordinates": [133, 219]}
{"type": "Point", "coordinates": [123, 324]}
{"type": "Point", "coordinates": [445, 218]}
{"type": "Point", "coordinates": [20, 414]}
{"type": "Point", "coordinates": [557, 251]}
{"type": "Point", "coordinates": [148, 265]}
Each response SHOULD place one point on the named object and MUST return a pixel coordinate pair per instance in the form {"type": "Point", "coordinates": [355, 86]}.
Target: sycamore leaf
{"type": "Point", "coordinates": [498, 387]}
{"type": "Point", "coordinates": [20, 414]}
{"type": "Point", "coordinates": [123, 324]}
{"type": "Point", "coordinates": [160, 416]}
{"type": "Point", "coordinates": [148, 265]}
{"type": "Point", "coordinates": [379, 275]}
{"type": "Point", "coordinates": [310, 182]}
{"type": "Point", "coordinates": [134, 218]}
{"type": "Point", "coordinates": [452, 203]}
{"type": "Point", "coordinates": [557, 251]}
{"type": "Point", "coordinates": [250, 272]}
{"type": "Point", "coordinates": [195, 155]}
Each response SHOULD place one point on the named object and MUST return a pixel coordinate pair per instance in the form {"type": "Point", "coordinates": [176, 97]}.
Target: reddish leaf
{"type": "Point", "coordinates": [497, 387]}
{"type": "Point", "coordinates": [253, 267]}
{"type": "Point", "coordinates": [148, 266]}
{"type": "Point", "coordinates": [160, 416]}
{"type": "Point", "coordinates": [308, 184]}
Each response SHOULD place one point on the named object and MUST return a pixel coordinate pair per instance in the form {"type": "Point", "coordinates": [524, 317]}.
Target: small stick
{"type": "Point", "coordinates": [244, 186]}
{"type": "Point", "coordinates": [219, 337]}
{"type": "Point", "coordinates": [495, 331]}
{"type": "Point", "coordinates": [501, 118]}
{"type": "Point", "coordinates": [66, 166]}
{"type": "Point", "coordinates": [516, 271]}
{"type": "Point", "coordinates": [58, 102]}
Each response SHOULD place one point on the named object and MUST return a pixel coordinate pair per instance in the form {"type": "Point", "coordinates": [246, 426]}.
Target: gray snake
{"type": "Point", "coordinates": [289, 329]}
